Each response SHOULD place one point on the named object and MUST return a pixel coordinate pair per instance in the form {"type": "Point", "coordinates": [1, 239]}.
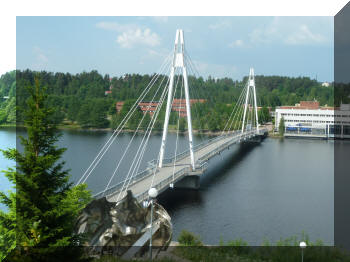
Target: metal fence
{"type": "Point", "coordinates": [201, 164]}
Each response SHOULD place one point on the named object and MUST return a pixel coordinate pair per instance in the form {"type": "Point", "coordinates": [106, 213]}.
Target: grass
{"type": "Point", "coordinates": [116, 259]}
{"type": "Point", "coordinates": [284, 250]}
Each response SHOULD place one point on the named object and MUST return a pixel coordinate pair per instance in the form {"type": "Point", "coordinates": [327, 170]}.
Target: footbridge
{"type": "Point", "coordinates": [184, 169]}
{"type": "Point", "coordinates": [176, 171]}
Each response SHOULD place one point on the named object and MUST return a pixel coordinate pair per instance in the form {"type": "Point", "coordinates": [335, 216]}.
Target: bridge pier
{"type": "Point", "coordinates": [189, 182]}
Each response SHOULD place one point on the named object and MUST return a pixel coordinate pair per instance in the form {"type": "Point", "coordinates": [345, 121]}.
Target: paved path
{"type": "Point", "coordinates": [164, 176]}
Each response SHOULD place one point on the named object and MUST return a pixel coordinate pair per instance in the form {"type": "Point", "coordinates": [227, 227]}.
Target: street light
{"type": "Point", "coordinates": [152, 193]}
{"type": "Point", "coordinates": [302, 245]}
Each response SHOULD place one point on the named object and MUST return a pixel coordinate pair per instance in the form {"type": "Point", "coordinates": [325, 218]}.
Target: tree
{"type": "Point", "coordinates": [3, 116]}
{"type": "Point", "coordinates": [84, 115]}
{"type": "Point", "coordinates": [70, 92]}
{"type": "Point", "coordinates": [182, 124]}
{"type": "Point", "coordinates": [189, 239]}
{"type": "Point", "coordinates": [281, 127]}
{"type": "Point", "coordinates": [42, 213]}
{"type": "Point", "coordinates": [264, 115]}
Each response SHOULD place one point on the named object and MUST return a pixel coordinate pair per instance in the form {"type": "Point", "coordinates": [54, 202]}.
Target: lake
{"type": "Point", "coordinates": [272, 190]}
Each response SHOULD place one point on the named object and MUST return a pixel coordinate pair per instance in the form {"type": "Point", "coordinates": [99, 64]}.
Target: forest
{"type": "Point", "coordinates": [80, 100]}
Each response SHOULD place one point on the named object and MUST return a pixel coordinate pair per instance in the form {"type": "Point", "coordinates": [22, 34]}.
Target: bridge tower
{"type": "Point", "coordinates": [251, 85]}
{"type": "Point", "coordinates": [178, 62]}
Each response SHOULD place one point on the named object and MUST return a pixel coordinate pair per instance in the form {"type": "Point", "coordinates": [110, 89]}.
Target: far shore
{"type": "Point", "coordinates": [93, 129]}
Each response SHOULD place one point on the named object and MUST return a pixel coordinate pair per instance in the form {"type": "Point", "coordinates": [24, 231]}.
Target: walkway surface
{"type": "Point", "coordinates": [171, 173]}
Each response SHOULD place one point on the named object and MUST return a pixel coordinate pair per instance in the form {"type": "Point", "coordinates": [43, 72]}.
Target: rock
{"type": "Point", "coordinates": [114, 228]}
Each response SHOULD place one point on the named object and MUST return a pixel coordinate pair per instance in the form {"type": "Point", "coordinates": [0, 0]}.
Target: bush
{"type": "Point", "coordinates": [189, 239]}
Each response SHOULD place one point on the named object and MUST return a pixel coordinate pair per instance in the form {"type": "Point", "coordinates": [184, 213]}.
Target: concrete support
{"type": "Point", "coordinates": [189, 182]}
{"type": "Point", "coordinates": [252, 82]}
{"type": "Point", "coordinates": [251, 85]}
{"type": "Point", "coordinates": [178, 62]}
{"type": "Point", "coordinates": [245, 107]}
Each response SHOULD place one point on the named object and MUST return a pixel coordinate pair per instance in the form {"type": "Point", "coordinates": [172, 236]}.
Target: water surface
{"type": "Point", "coordinates": [271, 190]}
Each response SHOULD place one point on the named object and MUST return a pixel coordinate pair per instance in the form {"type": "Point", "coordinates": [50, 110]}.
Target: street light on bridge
{"type": "Point", "coordinates": [152, 193]}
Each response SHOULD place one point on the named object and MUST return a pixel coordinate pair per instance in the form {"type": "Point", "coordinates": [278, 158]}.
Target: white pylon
{"type": "Point", "coordinates": [251, 85]}
{"type": "Point", "coordinates": [178, 62]}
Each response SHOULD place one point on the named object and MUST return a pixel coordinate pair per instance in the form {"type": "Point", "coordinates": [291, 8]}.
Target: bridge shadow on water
{"type": "Point", "coordinates": [219, 168]}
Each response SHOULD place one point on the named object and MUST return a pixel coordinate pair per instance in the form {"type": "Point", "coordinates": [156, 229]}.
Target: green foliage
{"type": "Point", "coordinates": [281, 127]}
{"type": "Point", "coordinates": [8, 105]}
{"type": "Point", "coordinates": [42, 214]}
{"type": "Point", "coordinates": [7, 224]}
{"type": "Point", "coordinates": [3, 117]}
{"type": "Point", "coordinates": [182, 124]}
{"type": "Point", "coordinates": [93, 113]}
{"type": "Point", "coordinates": [77, 97]}
{"type": "Point", "coordinates": [107, 258]}
{"type": "Point", "coordinates": [188, 239]}
{"type": "Point", "coordinates": [284, 250]}
{"type": "Point", "coordinates": [264, 115]}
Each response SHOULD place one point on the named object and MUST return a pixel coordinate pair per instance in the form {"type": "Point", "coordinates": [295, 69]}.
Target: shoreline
{"type": "Point", "coordinates": [108, 129]}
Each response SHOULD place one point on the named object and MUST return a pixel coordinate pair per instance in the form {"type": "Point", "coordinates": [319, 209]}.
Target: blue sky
{"type": "Point", "coordinates": [219, 46]}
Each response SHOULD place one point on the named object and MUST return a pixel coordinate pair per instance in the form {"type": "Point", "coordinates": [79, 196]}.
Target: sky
{"type": "Point", "coordinates": [218, 46]}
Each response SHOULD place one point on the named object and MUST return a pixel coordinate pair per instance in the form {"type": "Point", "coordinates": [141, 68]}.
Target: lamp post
{"type": "Point", "coordinates": [152, 193]}
{"type": "Point", "coordinates": [302, 246]}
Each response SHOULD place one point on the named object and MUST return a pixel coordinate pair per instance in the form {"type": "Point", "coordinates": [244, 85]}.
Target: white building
{"type": "Point", "coordinates": [309, 119]}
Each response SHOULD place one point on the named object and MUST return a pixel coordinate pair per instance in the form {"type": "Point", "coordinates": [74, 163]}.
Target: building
{"type": "Point", "coordinates": [148, 107]}
{"type": "Point", "coordinates": [110, 87]}
{"type": "Point", "coordinates": [308, 118]}
{"type": "Point", "coordinates": [178, 105]}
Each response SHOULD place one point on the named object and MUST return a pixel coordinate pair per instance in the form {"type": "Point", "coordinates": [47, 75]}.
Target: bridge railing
{"type": "Point", "coordinates": [167, 181]}
{"type": "Point", "coordinates": [115, 188]}
{"type": "Point", "coordinates": [153, 163]}
{"type": "Point", "coordinates": [201, 163]}
{"type": "Point", "coordinates": [239, 136]}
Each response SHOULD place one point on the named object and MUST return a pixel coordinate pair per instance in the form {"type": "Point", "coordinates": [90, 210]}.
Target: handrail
{"type": "Point", "coordinates": [200, 163]}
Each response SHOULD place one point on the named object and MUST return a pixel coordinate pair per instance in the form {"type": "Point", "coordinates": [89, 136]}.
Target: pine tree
{"type": "Point", "coordinates": [42, 213]}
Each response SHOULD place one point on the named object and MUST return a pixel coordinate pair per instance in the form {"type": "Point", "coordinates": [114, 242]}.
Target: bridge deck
{"type": "Point", "coordinates": [167, 174]}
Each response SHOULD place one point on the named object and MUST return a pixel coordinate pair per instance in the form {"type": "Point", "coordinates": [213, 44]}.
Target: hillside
{"type": "Point", "coordinates": [80, 99]}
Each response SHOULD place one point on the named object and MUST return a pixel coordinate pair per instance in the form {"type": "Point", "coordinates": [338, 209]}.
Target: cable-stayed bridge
{"type": "Point", "coordinates": [183, 169]}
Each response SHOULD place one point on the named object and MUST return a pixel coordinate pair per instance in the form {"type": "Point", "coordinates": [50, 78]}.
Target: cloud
{"type": "Point", "coordinates": [162, 53]}
{"type": "Point", "coordinates": [138, 37]}
{"type": "Point", "coordinates": [160, 19]}
{"type": "Point", "coordinates": [220, 25]}
{"type": "Point", "coordinates": [113, 26]}
{"type": "Point", "coordinates": [131, 35]}
{"type": "Point", "coordinates": [290, 31]}
{"type": "Point", "coordinates": [304, 35]}
{"type": "Point", "coordinates": [40, 59]}
{"type": "Point", "coordinates": [215, 70]}
{"type": "Point", "coordinates": [236, 43]}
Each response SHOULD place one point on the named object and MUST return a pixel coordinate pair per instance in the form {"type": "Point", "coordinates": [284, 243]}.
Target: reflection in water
{"type": "Point", "coordinates": [270, 190]}
{"type": "Point", "coordinates": [227, 164]}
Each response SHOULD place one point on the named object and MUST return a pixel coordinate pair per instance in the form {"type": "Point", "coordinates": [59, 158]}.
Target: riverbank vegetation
{"type": "Point", "coordinates": [190, 248]}
{"type": "Point", "coordinates": [8, 99]}
{"type": "Point", "coordinates": [80, 99]}
{"type": "Point", "coordinates": [284, 250]}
